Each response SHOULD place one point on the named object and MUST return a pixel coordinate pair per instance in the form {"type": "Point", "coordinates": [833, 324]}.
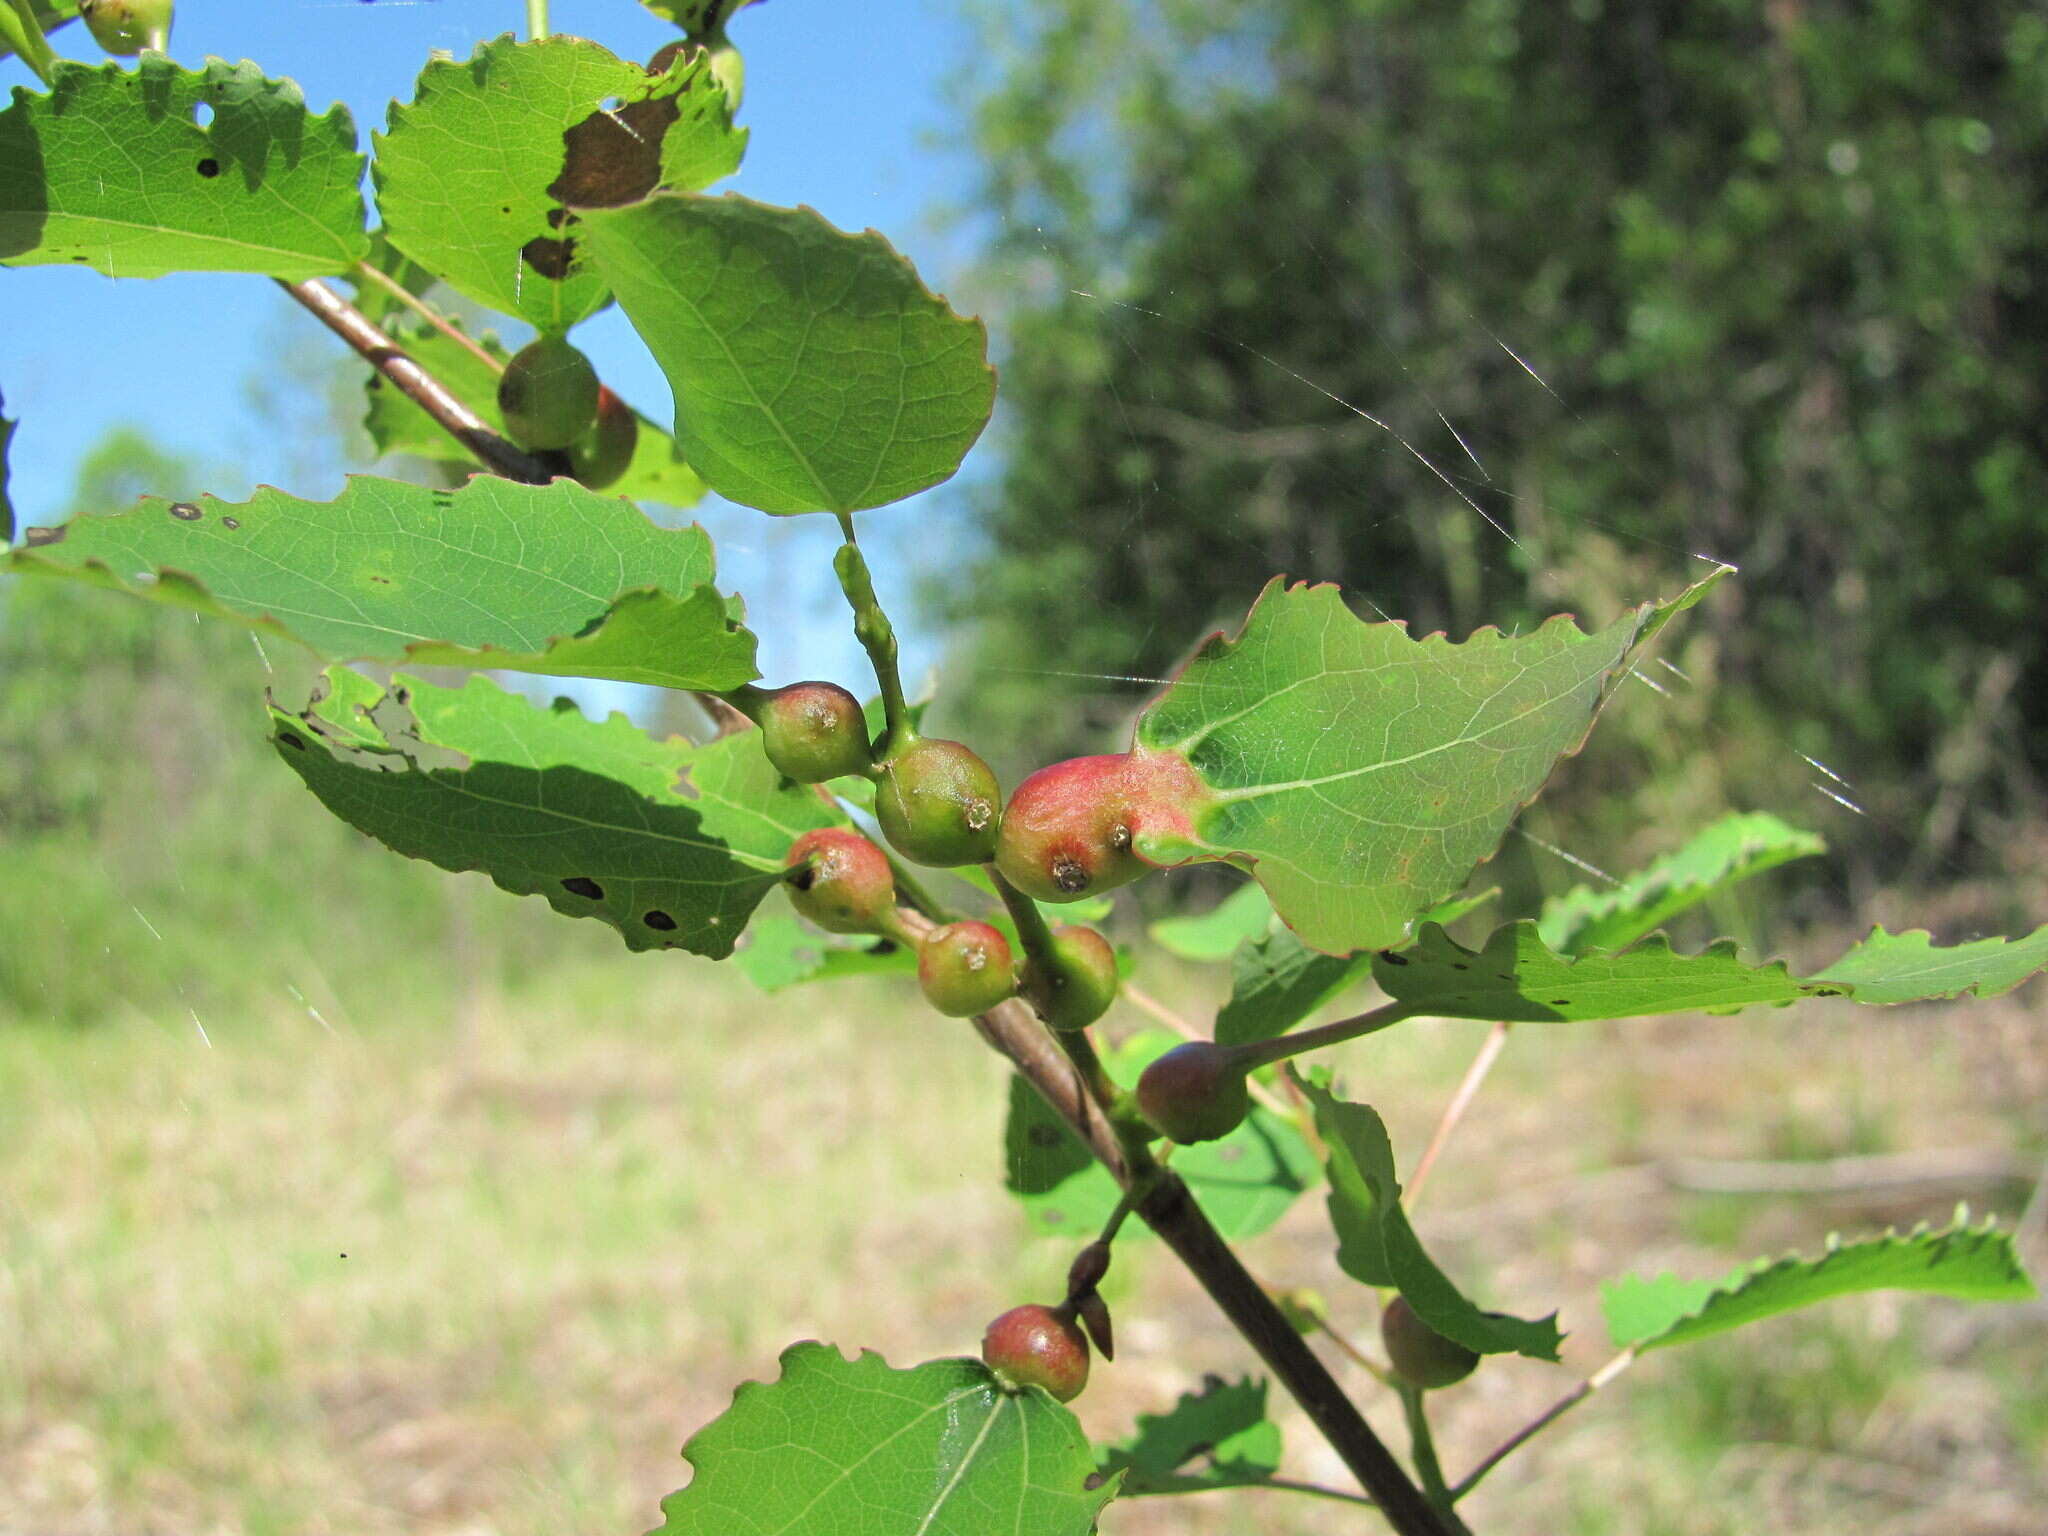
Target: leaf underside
{"type": "Point", "coordinates": [1376, 1245]}
{"type": "Point", "coordinates": [856, 1448]}
{"type": "Point", "coordinates": [1732, 850]}
{"type": "Point", "coordinates": [112, 171]}
{"type": "Point", "coordinates": [671, 844]}
{"type": "Point", "coordinates": [1969, 1263]}
{"type": "Point", "coordinates": [1245, 1182]}
{"type": "Point", "coordinates": [551, 579]}
{"type": "Point", "coordinates": [813, 371]}
{"type": "Point", "coordinates": [478, 177]}
{"type": "Point", "coordinates": [1361, 773]}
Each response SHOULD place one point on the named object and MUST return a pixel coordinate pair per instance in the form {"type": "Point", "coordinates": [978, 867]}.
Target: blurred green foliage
{"type": "Point", "coordinates": [157, 860]}
{"type": "Point", "coordinates": [1779, 263]}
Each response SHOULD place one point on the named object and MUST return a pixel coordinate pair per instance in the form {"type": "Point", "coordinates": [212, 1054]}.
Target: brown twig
{"type": "Point", "coordinates": [431, 315]}
{"type": "Point", "coordinates": [1162, 1201]}
{"type": "Point", "coordinates": [1461, 1100]}
{"type": "Point", "coordinates": [497, 454]}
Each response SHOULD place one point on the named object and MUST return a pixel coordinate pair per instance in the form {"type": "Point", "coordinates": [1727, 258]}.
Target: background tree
{"type": "Point", "coordinates": [1776, 263]}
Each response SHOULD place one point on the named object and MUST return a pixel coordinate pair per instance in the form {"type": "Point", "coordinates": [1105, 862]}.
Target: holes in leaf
{"type": "Point", "coordinates": [584, 886]}
{"type": "Point", "coordinates": [659, 921]}
{"type": "Point", "coordinates": [202, 114]}
{"type": "Point", "coordinates": [552, 259]}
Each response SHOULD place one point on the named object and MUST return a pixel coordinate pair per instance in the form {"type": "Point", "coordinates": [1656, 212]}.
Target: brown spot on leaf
{"type": "Point", "coordinates": [209, 167]}
{"type": "Point", "coordinates": [1393, 959]}
{"type": "Point", "coordinates": [186, 512]}
{"type": "Point", "coordinates": [1045, 1136]}
{"type": "Point", "coordinates": [230, 523]}
{"type": "Point", "coordinates": [584, 886]}
{"type": "Point", "coordinates": [660, 921]}
{"type": "Point", "coordinates": [35, 538]}
{"type": "Point", "coordinates": [291, 740]}
{"type": "Point", "coordinates": [552, 259]}
{"type": "Point", "coordinates": [613, 158]}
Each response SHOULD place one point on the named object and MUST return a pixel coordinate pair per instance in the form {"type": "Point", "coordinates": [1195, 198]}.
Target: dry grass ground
{"type": "Point", "coordinates": [429, 1274]}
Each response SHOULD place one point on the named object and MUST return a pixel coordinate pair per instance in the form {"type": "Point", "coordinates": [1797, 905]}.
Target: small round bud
{"type": "Point", "coordinates": [1420, 1355]}
{"type": "Point", "coordinates": [1078, 984]}
{"type": "Point", "coordinates": [600, 456]}
{"type": "Point", "coordinates": [547, 394]}
{"type": "Point", "coordinates": [939, 804]}
{"type": "Point", "coordinates": [1034, 1346]}
{"type": "Point", "coordinates": [964, 969]}
{"type": "Point", "coordinates": [127, 26]}
{"type": "Point", "coordinates": [813, 732]}
{"type": "Point", "coordinates": [1195, 1092]}
{"type": "Point", "coordinates": [842, 882]}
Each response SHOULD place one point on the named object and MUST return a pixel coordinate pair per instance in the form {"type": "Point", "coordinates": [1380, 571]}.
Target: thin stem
{"type": "Point", "coordinates": [1544, 1420]}
{"type": "Point", "coordinates": [1461, 1100]}
{"type": "Point", "coordinates": [1165, 1015]}
{"type": "Point", "coordinates": [496, 453]}
{"type": "Point", "coordinates": [877, 636]}
{"type": "Point", "coordinates": [1264, 1053]}
{"type": "Point", "coordinates": [428, 313]}
{"type": "Point", "coordinates": [1357, 1356]}
{"type": "Point", "coordinates": [26, 37]}
{"type": "Point", "coordinates": [536, 19]}
{"type": "Point", "coordinates": [1317, 1491]}
{"type": "Point", "coordinates": [1422, 1451]}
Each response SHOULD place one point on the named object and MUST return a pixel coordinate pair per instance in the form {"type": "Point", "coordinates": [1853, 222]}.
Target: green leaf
{"type": "Point", "coordinates": [1908, 968]}
{"type": "Point", "coordinates": [671, 844]}
{"type": "Point", "coordinates": [1245, 1182]}
{"type": "Point", "coordinates": [1223, 1431]}
{"type": "Point", "coordinates": [1376, 1246]}
{"type": "Point", "coordinates": [1726, 853]}
{"type": "Point", "coordinates": [1361, 774]}
{"type": "Point", "coordinates": [6, 506]}
{"type": "Point", "coordinates": [112, 171]}
{"type": "Point", "coordinates": [1277, 981]}
{"type": "Point", "coordinates": [781, 951]}
{"type": "Point", "coordinates": [855, 1448]}
{"type": "Point", "coordinates": [1969, 1263]}
{"type": "Point", "coordinates": [1244, 914]}
{"type": "Point", "coordinates": [551, 579]}
{"type": "Point", "coordinates": [1517, 977]}
{"type": "Point", "coordinates": [813, 371]}
{"type": "Point", "coordinates": [477, 177]}
{"type": "Point", "coordinates": [397, 425]}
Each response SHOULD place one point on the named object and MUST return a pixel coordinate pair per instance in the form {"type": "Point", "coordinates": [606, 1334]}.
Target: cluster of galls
{"type": "Point", "coordinates": [551, 402]}
{"type": "Point", "coordinates": [939, 804]}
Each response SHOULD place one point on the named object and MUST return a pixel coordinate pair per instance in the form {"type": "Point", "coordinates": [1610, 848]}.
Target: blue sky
{"type": "Point", "coordinates": [845, 102]}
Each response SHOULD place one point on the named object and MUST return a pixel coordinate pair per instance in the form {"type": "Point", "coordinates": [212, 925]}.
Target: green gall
{"type": "Point", "coordinates": [1195, 1092]}
{"type": "Point", "coordinates": [939, 804]}
{"type": "Point", "coordinates": [813, 732]}
{"type": "Point", "coordinates": [548, 394]}
{"type": "Point", "coordinates": [1074, 986]}
{"type": "Point", "coordinates": [1420, 1355]}
{"type": "Point", "coordinates": [842, 882]}
{"type": "Point", "coordinates": [1033, 1346]}
{"type": "Point", "coordinates": [603, 454]}
{"type": "Point", "coordinates": [965, 969]}
{"type": "Point", "coordinates": [127, 26]}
